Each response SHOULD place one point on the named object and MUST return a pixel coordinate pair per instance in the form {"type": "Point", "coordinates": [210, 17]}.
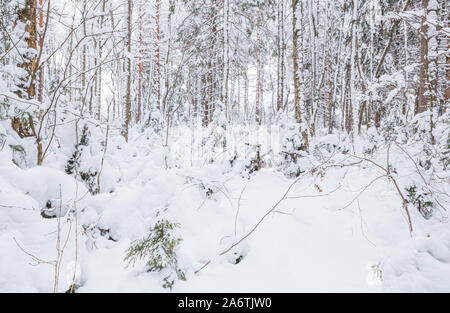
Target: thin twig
{"type": "Point", "coordinates": [238, 209]}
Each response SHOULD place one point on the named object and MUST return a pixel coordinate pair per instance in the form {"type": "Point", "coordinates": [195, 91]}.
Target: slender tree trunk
{"type": "Point", "coordinates": [204, 100]}
{"type": "Point", "coordinates": [139, 95]}
{"type": "Point", "coordinates": [128, 60]}
{"type": "Point", "coordinates": [354, 107]}
{"type": "Point", "coordinates": [421, 101]}
{"type": "Point", "coordinates": [280, 56]}
{"type": "Point", "coordinates": [313, 34]}
{"type": "Point", "coordinates": [83, 58]}
{"type": "Point", "coordinates": [297, 85]}
{"type": "Point", "coordinates": [226, 61]}
{"type": "Point", "coordinates": [447, 74]}
{"type": "Point", "coordinates": [71, 49]}
{"type": "Point", "coordinates": [246, 86]}
{"type": "Point", "coordinates": [41, 46]}
{"type": "Point", "coordinates": [100, 55]}
{"type": "Point", "coordinates": [158, 55]}
{"type": "Point", "coordinates": [296, 68]}
{"type": "Point", "coordinates": [258, 73]}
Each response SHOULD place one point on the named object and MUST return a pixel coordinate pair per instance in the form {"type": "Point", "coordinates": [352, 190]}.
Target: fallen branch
{"type": "Point", "coordinates": [390, 178]}
{"type": "Point", "coordinates": [272, 210]}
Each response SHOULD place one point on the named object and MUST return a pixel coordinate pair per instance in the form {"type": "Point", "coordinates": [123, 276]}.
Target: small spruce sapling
{"type": "Point", "coordinates": [158, 249]}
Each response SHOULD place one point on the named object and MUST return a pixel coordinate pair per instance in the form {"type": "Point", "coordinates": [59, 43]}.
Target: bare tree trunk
{"type": "Point", "coordinates": [71, 49]}
{"type": "Point", "coordinates": [94, 88]}
{"type": "Point", "coordinates": [258, 73]}
{"type": "Point", "coordinates": [428, 66]}
{"type": "Point", "coordinates": [128, 60]}
{"type": "Point", "coordinates": [139, 95]}
{"type": "Point", "coordinates": [27, 15]}
{"type": "Point", "coordinates": [158, 55]}
{"type": "Point", "coordinates": [204, 99]}
{"type": "Point", "coordinates": [313, 54]}
{"type": "Point", "coordinates": [26, 88]}
{"type": "Point", "coordinates": [100, 55]}
{"type": "Point", "coordinates": [246, 85]}
{"type": "Point", "coordinates": [422, 100]}
{"type": "Point", "coordinates": [280, 56]}
{"type": "Point", "coordinates": [447, 74]}
{"type": "Point", "coordinates": [83, 62]}
{"type": "Point", "coordinates": [41, 46]}
{"type": "Point", "coordinates": [353, 99]}
{"type": "Point", "coordinates": [165, 105]}
{"type": "Point", "coordinates": [226, 52]}
{"type": "Point", "coordinates": [297, 85]}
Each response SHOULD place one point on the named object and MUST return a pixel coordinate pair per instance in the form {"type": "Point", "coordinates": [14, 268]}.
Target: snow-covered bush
{"type": "Point", "coordinates": [293, 149]}
{"type": "Point", "coordinates": [214, 142]}
{"type": "Point", "coordinates": [81, 158]}
{"type": "Point", "coordinates": [372, 141]}
{"type": "Point", "coordinates": [442, 135]}
{"type": "Point", "coordinates": [207, 190]}
{"type": "Point", "coordinates": [254, 161]}
{"type": "Point", "coordinates": [394, 127]}
{"type": "Point", "coordinates": [427, 188]}
{"type": "Point", "coordinates": [56, 208]}
{"type": "Point", "coordinates": [18, 155]}
{"type": "Point", "coordinates": [4, 107]}
{"type": "Point", "coordinates": [93, 232]}
{"type": "Point", "coordinates": [2, 140]}
{"type": "Point", "coordinates": [155, 121]}
{"type": "Point", "coordinates": [325, 147]}
{"type": "Point", "coordinates": [158, 250]}
{"type": "Point", "coordinates": [435, 143]}
{"type": "Point", "coordinates": [419, 128]}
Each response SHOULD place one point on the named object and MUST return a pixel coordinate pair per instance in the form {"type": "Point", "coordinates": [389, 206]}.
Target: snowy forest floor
{"type": "Point", "coordinates": [318, 240]}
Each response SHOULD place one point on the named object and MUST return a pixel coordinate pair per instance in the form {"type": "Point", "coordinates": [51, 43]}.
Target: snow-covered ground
{"type": "Point", "coordinates": [313, 241]}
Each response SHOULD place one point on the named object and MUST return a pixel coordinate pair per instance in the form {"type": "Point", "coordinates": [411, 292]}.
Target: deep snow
{"type": "Point", "coordinates": [309, 244]}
